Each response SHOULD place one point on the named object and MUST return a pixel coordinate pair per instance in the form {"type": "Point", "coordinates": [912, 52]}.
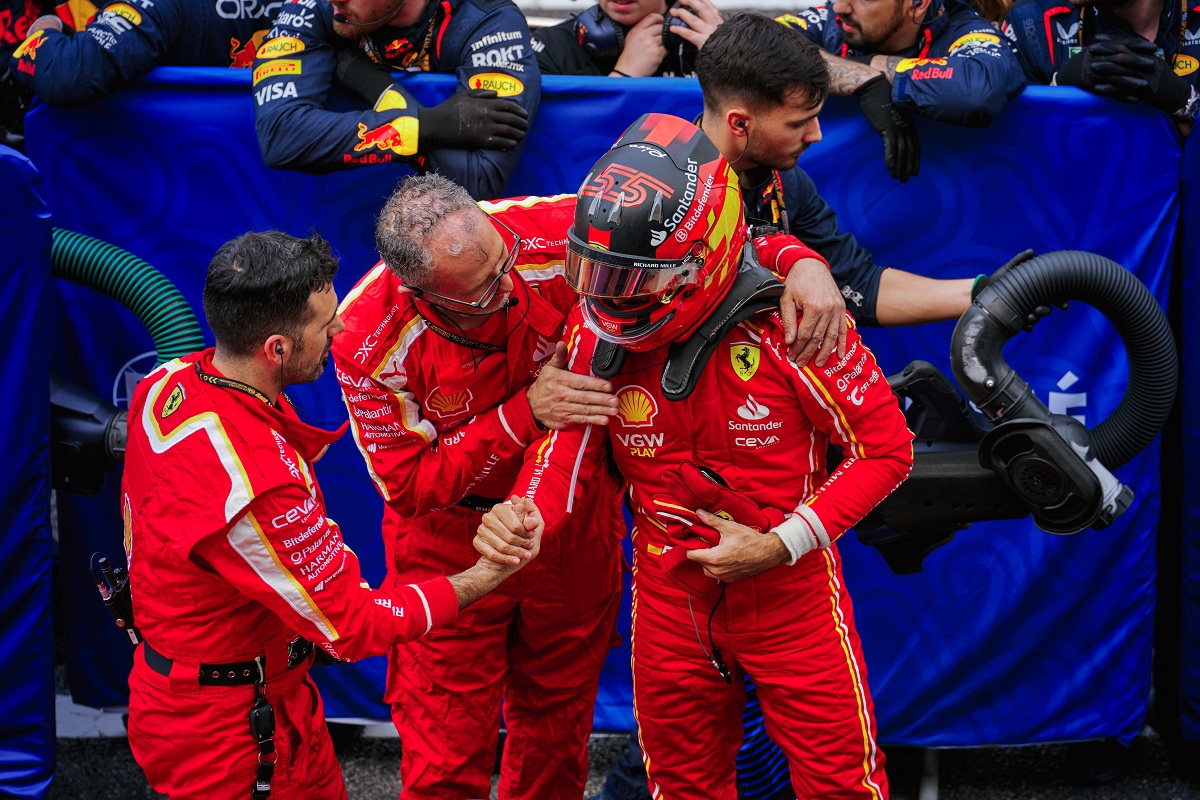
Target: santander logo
{"type": "Point", "coordinates": [753, 410]}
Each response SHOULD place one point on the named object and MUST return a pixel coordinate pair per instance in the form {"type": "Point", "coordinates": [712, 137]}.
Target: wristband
{"type": "Point", "coordinates": [975, 289]}
{"type": "Point", "coordinates": [622, 74]}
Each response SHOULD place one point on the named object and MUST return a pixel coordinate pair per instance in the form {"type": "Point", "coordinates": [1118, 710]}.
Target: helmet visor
{"type": "Point", "coordinates": [600, 273]}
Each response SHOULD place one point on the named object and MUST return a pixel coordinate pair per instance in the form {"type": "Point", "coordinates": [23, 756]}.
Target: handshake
{"type": "Point", "coordinates": [1129, 69]}
{"type": "Point", "coordinates": [510, 535]}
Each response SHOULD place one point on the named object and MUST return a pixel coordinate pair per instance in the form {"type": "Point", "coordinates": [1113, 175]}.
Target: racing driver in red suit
{"type": "Point", "coordinates": [669, 281]}
{"type": "Point", "coordinates": [235, 568]}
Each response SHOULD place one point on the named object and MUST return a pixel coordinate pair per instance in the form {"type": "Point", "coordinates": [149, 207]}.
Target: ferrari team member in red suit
{"type": "Point", "coordinates": [235, 568]}
{"type": "Point", "coordinates": [440, 370]}
{"type": "Point", "coordinates": [712, 414]}
{"type": "Point", "coordinates": [451, 366]}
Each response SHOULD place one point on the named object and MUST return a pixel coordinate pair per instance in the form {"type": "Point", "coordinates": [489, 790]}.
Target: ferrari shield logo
{"type": "Point", "coordinates": [173, 402]}
{"type": "Point", "coordinates": [744, 357]}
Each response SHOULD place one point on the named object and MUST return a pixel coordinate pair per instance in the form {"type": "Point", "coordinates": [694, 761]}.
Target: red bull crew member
{"type": "Point", "coordinates": [125, 40]}
{"type": "Point", "coordinates": [759, 592]}
{"type": "Point", "coordinates": [472, 138]}
{"type": "Point", "coordinates": [628, 39]}
{"type": "Point", "coordinates": [936, 58]}
{"type": "Point", "coordinates": [1143, 51]}
{"type": "Point", "coordinates": [236, 570]}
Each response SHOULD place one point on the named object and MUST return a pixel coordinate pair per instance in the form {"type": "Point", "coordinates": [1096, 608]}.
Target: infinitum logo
{"type": "Point", "coordinates": [753, 410]}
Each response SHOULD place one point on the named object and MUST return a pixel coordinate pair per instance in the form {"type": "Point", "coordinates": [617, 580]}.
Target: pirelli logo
{"type": "Point", "coordinates": [286, 66]}
{"type": "Point", "coordinates": [283, 46]}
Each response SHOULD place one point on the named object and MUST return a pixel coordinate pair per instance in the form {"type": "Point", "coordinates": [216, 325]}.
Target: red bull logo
{"type": "Point", "coordinates": [397, 48]}
{"type": "Point", "coordinates": [30, 46]}
{"type": "Point", "coordinates": [944, 73]}
{"type": "Point", "coordinates": [909, 63]}
{"type": "Point", "coordinates": [399, 136]}
{"type": "Point", "coordinates": [241, 57]}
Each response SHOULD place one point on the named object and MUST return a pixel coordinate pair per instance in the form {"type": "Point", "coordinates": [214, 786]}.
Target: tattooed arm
{"type": "Point", "coordinates": [846, 75]}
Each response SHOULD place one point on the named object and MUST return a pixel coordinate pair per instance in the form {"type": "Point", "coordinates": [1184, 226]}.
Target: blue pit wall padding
{"type": "Point", "coordinates": [1009, 636]}
{"type": "Point", "coordinates": [1189, 600]}
{"type": "Point", "coordinates": [27, 631]}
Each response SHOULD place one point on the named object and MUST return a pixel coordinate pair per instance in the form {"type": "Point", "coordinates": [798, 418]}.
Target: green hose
{"type": "Point", "coordinates": [134, 284]}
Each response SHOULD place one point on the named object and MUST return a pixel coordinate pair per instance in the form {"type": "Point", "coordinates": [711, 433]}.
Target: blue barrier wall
{"type": "Point", "coordinates": [27, 634]}
{"type": "Point", "coordinates": [1189, 655]}
{"type": "Point", "coordinates": [1009, 635]}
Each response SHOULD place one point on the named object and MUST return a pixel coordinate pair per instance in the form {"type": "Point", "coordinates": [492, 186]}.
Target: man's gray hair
{"type": "Point", "coordinates": [409, 217]}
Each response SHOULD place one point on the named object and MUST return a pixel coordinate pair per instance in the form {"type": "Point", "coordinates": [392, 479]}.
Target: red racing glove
{"type": "Point", "coordinates": [691, 487]}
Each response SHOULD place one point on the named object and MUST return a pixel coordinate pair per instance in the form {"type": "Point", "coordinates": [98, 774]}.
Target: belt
{"type": "Point", "coordinates": [235, 673]}
{"type": "Point", "coordinates": [477, 503]}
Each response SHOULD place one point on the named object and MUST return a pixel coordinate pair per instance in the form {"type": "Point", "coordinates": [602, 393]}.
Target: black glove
{"type": "Point", "coordinates": [358, 74]}
{"type": "Point", "coordinates": [901, 147]}
{"type": "Point", "coordinates": [983, 281]}
{"type": "Point", "coordinates": [473, 119]}
{"type": "Point", "coordinates": [1132, 66]}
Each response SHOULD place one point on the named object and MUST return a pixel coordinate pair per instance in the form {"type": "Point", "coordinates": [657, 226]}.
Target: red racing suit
{"type": "Point", "coordinates": [231, 557]}
{"type": "Point", "coordinates": [764, 425]}
{"type": "Point", "coordinates": [443, 423]}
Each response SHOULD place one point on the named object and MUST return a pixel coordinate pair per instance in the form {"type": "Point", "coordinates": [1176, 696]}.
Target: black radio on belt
{"type": "Point", "coordinates": [113, 585]}
{"type": "Point", "coordinates": [262, 728]}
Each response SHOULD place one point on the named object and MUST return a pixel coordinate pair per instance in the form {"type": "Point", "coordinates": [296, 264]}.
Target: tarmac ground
{"type": "Point", "coordinates": [100, 768]}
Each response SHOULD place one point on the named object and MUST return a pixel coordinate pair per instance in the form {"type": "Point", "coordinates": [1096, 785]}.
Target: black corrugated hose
{"type": "Point", "coordinates": [133, 283]}
{"type": "Point", "coordinates": [1001, 311]}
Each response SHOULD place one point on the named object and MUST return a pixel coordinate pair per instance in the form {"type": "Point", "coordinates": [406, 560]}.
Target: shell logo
{"type": "Point", "coordinates": [448, 405]}
{"type": "Point", "coordinates": [636, 407]}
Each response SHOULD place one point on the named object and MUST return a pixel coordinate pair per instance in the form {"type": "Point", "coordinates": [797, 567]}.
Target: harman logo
{"type": "Point", "coordinates": [753, 410]}
{"type": "Point", "coordinates": [636, 407]}
{"type": "Point", "coordinates": [449, 405]}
